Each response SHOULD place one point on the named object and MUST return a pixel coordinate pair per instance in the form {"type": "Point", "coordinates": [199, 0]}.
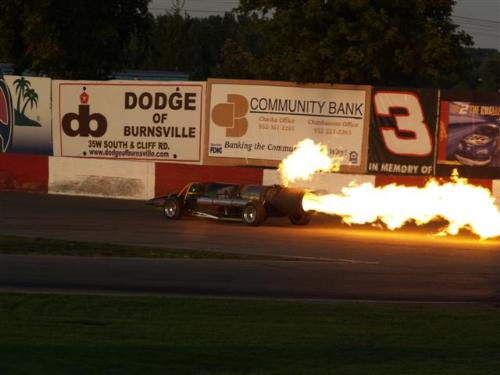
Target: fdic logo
{"type": "Point", "coordinates": [215, 148]}
{"type": "Point", "coordinates": [84, 118]}
{"type": "Point", "coordinates": [6, 116]}
{"type": "Point", "coordinates": [231, 115]}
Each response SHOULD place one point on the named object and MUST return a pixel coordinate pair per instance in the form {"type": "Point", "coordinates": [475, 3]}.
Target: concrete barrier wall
{"type": "Point", "coordinates": [173, 177]}
{"type": "Point", "coordinates": [110, 178]}
{"type": "Point", "coordinates": [101, 178]}
{"type": "Point", "coordinates": [23, 173]}
{"type": "Point", "coordinates": [144, 180]}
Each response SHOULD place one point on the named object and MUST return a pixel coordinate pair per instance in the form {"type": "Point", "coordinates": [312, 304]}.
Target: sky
{"type": "Point", "coordinates": [479, 18]}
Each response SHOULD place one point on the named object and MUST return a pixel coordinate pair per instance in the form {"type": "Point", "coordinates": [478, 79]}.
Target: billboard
{"type": "Point", "coordinates": [259, 122]}
{"type": "Point", "coordinates": [6, 116]}
{"type": "Point", "coordinates": [402, 131]}
{"type": "Point", "coordinates": [25, 115]}
{"type": "Point", "coordinates": [469, 136]}
{"type": "Point", "coordinates": [123, 120]}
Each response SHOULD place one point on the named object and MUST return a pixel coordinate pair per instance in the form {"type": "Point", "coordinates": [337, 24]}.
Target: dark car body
{"type": "Point", "coordinates": [480, 147]}
{"type": "Point", "coordinates": [250, 203]}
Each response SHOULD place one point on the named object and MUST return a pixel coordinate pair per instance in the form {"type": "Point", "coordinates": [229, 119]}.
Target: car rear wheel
{"type": "Point", "coordinates": [302, 219]}
{"type": "Point", "coordinates": [254, 214]}
{"type": "Point", "coordinates": [172, 208]}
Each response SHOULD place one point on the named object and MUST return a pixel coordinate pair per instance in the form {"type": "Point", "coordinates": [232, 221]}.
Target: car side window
{"type": "Point", "coordinates": [227, 191]}
{"type": "Point", "coordinates": [212, 190]}
{"type": "Point", "coordinates": [489, 131]}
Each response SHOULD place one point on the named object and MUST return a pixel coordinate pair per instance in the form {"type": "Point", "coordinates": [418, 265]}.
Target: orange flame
{"type": "Point", "coordinates": [461, 204]}
{"type": "Point", "coordinates": [307, 159]}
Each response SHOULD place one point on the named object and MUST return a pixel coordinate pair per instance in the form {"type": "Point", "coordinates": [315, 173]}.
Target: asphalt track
{"type": "Point", "coordinates": [339, 262]}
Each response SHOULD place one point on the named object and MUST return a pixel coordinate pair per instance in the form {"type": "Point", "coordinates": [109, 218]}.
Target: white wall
{"type": "Point", "coordinates": [496, 191]}
{"type": "Point", "coordinates": [101, 178]}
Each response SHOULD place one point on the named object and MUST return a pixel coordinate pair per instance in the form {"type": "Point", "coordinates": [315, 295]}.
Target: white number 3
{"type": "Point", "coordinates": [418, 141]}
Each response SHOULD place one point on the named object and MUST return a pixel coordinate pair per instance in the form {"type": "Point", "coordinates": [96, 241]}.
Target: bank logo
{"type": "Point", "coordinates": [231, 115]}
{"type": "Point", "coordinates": [84, 119]}
{"type": "Point", "coordinates": [6, 116]}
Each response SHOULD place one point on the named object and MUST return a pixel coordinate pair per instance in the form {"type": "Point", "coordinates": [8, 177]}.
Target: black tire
{"type": "Point", "coordinates": [302, 219]}
{"type": "Point", "coordinates": [254, 214]}
{"type": "Point", "coordinates": [172, 209]}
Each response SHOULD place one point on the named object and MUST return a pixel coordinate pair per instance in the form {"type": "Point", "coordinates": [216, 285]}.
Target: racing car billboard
{"type": "Point", "coordinates": [159, 121]}
{"type": "Point", "coordinates": [469, 136]}
{"type": "Point", "coordinates": [260, 122]}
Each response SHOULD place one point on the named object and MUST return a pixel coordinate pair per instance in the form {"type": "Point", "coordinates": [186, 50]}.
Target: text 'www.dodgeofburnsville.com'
{"type": "Point", "coordinates": [128, 149]}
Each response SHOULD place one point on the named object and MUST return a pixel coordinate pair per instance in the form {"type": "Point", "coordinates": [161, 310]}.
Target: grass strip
{"type": "Point", "coordinates": [58, 334]}
{"type": "Point", "coordinates": [43, 246]}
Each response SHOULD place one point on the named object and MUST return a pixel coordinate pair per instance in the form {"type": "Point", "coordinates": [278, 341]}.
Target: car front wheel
{"type": "Point", "coordinates": [172, 208]}
{"type": "Point", "coordinates": [254, 214]}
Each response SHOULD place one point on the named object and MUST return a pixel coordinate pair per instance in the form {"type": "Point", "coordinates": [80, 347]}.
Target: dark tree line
{"type": "Point", "coordinates": [70, 39]}
{"type": "Point", "coordinates": [181, 43]}
{"type": "Point", "coordinates": [380, 42]}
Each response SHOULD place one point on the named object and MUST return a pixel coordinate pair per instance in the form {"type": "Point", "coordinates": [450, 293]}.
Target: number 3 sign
{"type": "Point", "coordinates": [402, 129]}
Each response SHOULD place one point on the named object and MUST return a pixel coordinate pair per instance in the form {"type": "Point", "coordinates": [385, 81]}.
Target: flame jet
{"type": "Point", "coordinates": [460, 204]}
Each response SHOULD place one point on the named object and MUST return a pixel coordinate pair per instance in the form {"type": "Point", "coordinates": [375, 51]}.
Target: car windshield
{"type": "Point", "coordinates": [194, 189]}
{"type": "Point", "coordinates": [490, 131]}
{"type": "Point", "coordinates": [190, 190]}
